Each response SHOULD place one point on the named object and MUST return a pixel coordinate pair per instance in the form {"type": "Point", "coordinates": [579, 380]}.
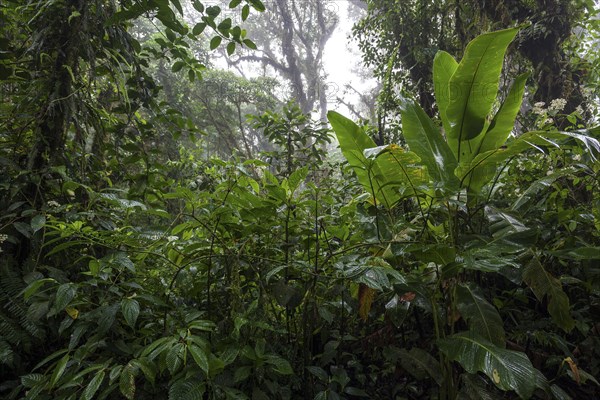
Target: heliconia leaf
{"type": "Point", "coordinates": [388, 173]}
{"type": "Point", "coordinates": [444, 66]}
{"type": "Point", "coordinates": [426, 141]}
{"type": "Point", "coordinates": [481, 316]}
{"type": "Point", "coordinates": [544, 285]}
{"type": "Point", "coordinates": [504, 120]}
{"type": "Point", "coordinates": [508, 369]}
{"type": "Point", "coordinates": [365, 300]}
{"type": "Point", "coordinates": [473, 88]}
{"type": "Point", "coordinates": [496, 135]}
{"type": "Point", "coordinates": [475, 387]}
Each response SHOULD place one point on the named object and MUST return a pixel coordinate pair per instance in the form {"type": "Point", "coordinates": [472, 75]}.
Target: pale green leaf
{"type": "Point", "coordinates": [481, 316]}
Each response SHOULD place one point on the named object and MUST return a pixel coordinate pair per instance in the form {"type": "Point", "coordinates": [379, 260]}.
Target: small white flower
{"type": "Point", "coordinates": [549, 172]}
{"type": "Point", "coordinates": [53, 204]}
{"type": "Point", "coordinates": [3, 238]}
{"type": "Point", "coordinates": [172, 238]}
{"type": "Point", "coordinates": [558, 104]}
{"type": "Point", "coordinates": [549, 121]}
{"type": "Point", "coordinates": [577, 157]}
{"type": "Point", "coordinates": [579, 110]}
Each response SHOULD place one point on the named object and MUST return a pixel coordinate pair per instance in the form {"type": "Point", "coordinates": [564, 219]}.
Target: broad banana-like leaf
{"type": "Point", "coordinates": [543, 284]}
{"type": "Point", "coordinates": [504, 120]}
{"type": "Point", "coordinates": [444, 66]}
{"type": "Point", "coordinates": [487, 162]}
{"type": "Point", "coordinates": [508, 369]}
{"type": "Point", "coordinates": [425, 139]}
{"type": "Point", "coordinates": [353, 142]}
{"type": "Point", "coordinates": [496, 134]}
{"type": "Point", "coordinates": [395, 173]}
{"type": "Point", "coordinates": [482, 317]}
{"type": "Point", "coordinates": [473, 89]}
{"type": "Point", "coordinates": [475, 387]}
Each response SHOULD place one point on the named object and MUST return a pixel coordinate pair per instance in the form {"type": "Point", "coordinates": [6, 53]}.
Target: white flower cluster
{"type": "Point", "coordinates": [538, 108]}
{"type": "Point", "coordinates": [3, 239]}
{"type": "Point", "coordinates": [53, 204]}
{"type": "Point", "coordinates": [557, 105]}
{"type": "Point", "coordinates": [579, 110]}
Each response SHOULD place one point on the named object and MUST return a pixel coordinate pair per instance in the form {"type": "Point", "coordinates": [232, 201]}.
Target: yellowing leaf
{"type": "Point", "coordinates": [73, 312]}
{"type": "Point", "coordinates": [365, 300]}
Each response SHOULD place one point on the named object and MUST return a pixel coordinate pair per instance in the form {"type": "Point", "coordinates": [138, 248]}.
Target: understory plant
{"type": "Point", "coordinates": [481, 273]}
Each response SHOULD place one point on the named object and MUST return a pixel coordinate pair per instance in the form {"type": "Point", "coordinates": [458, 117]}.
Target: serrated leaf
{"type": "Point", "coordinates": [215, 42]}
{"type": "Point", "coordinates": [64, 294]}
{"type": "Point", "coordinates": [543, 284]}
{"type": "Point", "coordinates": [481, 316]}
{"type": "Point", "coordinates": [507, 369]}
{"type": "Point", "coordinates": [127, 382]}
{"type": "Point", "coordinates": [199, 357]}
{"type": "Point", "coordinates": [130, 309]}
{"type": "Point", "coordinates": [174, 358]}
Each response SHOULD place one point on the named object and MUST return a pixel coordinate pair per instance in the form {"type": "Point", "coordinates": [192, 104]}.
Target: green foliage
{"type": "Point", "coordinates": [134, 266]}
{"type": "Point", "coordinates": [464, 242]}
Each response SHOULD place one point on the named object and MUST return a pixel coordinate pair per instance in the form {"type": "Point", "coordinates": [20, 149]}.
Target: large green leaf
{"type": "Point", "coordinates": [473, 88]}
{"type": "Point", "coordinates": [353, 142]}
{"type": "Point", "coordinates": [425, 140]}
{"type": "Point", "coordinates": [504, 120]}
{"type": "Point", "coordinates": [543, 284]}
{"type": "Point", "coordinates": [388, 173]}
{"type": "Point", "coordinates": [396, 172]}
{"type": "Point", "coordinates": [487, 162]}
{"type": "Point", "coordinates": [496, 134]}
{"type": "Point", "coordinates": [509, 370]}
{"type": "Point", "coordinates": [481, 316]}
{"type": "Point", "coordinates": [444, 66]}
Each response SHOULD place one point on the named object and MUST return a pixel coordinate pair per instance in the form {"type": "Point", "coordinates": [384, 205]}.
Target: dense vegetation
{"type": "Point", "coordinates": [171, 230]}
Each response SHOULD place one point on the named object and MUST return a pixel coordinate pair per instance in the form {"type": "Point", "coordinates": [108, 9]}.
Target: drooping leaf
{"type": "Point", "coordinates": [507, 369]}
{"type": "Point", "coordinates": [93, 386]}
{"type": "Point", "coordinates": [127, 382]}
{"type": "Point", "coordinates": [130, 309]}
{"type": "Point", "coordinates": [420, 364]}
{"type": "Point", "coordinates": [59, 369]}
{"type": "Point", "coordinates": [444, 66]}
{"type": "Point", "coordinates": [426, 141]}
{"type": "Point", "coordinates": [544, 285]}
{"type": "Point", "coordinates": [481, 316]}
{"type": "Point", "coordinates": [365, 299]}
{"type": "Point", "coordinates": [473, 89]}
{"type": "Point", "coordinates": [199, 357]}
